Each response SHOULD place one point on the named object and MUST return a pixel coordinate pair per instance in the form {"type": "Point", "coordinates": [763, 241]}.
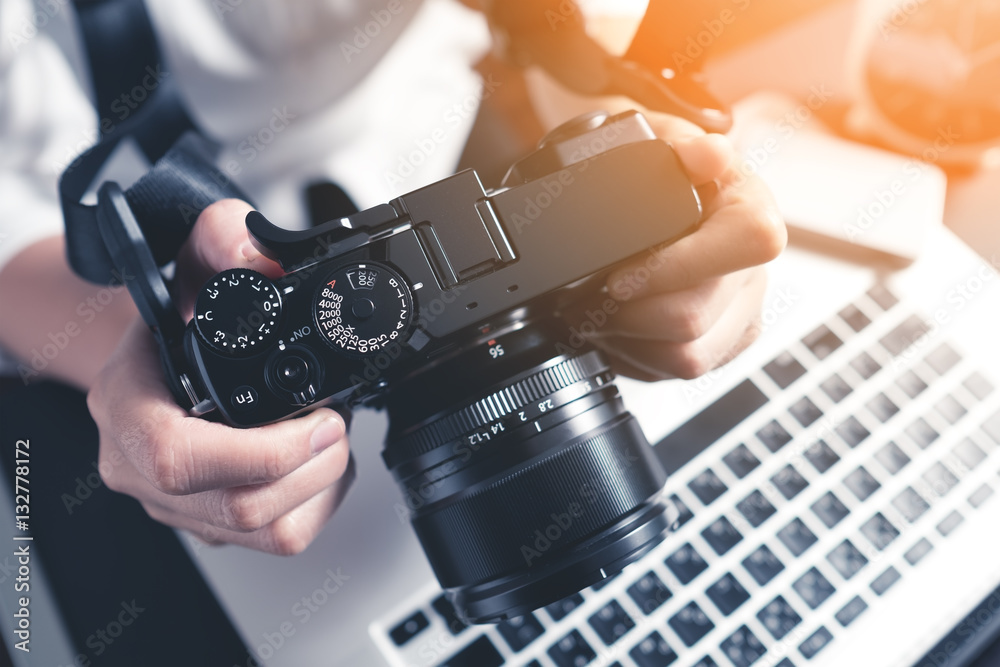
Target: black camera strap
{"type": "Point", "coordinates": [126, 65]}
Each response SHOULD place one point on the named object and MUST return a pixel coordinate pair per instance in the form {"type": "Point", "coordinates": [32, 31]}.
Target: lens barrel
{"type": "Point", "coordinates": [539, 486]}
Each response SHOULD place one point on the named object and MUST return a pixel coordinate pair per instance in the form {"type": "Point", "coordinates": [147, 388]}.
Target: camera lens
{"type": "Point", "coordinates": [540, 485]}
{"type": "Point", "coordinates": [292, 372]}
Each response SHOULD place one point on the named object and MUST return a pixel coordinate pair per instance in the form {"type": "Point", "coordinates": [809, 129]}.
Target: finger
{"type": "Point", "coordinates": [736, 329]}
{"type": "Point", "coordinates": [218, 241]}
{"type": "Point", "coordinates": [745, 230]}
{"type": "Point", "coordinates": [670, 127]}
{"type": "Point", "coordinates": [678, 317]}
{"type": "Point", "coordinates": [247, 508]}
{"type": "Point", "coordinates": [285, 536]}
{"type": "Point", "coordinates": [179, 454]}
{"type": "Point", "coordinates": [705, 157]}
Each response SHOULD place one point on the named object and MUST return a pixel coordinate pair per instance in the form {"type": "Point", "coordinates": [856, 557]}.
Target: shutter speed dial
{"type": "Point", "coordinates": [237, 312]}
{"type": "Point", "coordinates": [363, 308]}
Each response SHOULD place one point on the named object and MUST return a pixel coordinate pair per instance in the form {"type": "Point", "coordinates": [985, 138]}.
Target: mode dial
{"type": "Point", "coordinates": [237, 312]}
{"type": "Point", "coordinates": [363, 308]}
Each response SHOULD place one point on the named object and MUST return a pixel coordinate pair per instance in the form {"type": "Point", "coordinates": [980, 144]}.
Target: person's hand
{"type": "Point", "coordinates": [270, 488]}
{"type": "Point", "coordinates": [696, 305]}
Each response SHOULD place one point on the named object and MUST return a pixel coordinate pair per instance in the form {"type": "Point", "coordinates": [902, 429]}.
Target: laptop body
{"type": "Point", "coordinates": [870, 547]}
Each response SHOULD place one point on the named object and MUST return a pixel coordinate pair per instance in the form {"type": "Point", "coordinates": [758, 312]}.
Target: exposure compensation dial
{"type": "Point", "coordinates": [237, 312]}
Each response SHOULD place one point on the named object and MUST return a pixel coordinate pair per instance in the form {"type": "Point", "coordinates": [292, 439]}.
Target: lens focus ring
{"type": "Point", "coordinates": [496, 405]}
{"type": "Point", "coordinates": [579, 489]}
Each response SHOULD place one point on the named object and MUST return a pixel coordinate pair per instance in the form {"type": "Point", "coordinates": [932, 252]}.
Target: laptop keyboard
{"type": "Point", "coordinates": [792, 523]}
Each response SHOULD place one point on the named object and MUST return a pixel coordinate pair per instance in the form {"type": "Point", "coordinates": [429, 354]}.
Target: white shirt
{"type": "Point", "coordinates": [376, 95]}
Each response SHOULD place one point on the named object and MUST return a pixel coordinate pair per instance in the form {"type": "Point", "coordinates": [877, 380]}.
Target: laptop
{"type": "Point", "coordinates": [838, 492]}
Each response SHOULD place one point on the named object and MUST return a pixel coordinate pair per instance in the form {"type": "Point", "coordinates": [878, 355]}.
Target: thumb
{"type": "Point", "coordinates": [218, 241]}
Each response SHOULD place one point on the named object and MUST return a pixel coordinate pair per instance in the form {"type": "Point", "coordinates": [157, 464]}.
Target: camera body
{"type": "Point", "coordinates": [442, 307]}
{"type": "Point", "coordinates": [380, 296]}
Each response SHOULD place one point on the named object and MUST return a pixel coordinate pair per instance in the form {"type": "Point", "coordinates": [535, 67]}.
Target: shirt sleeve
{"type": "Point", "coordinates": [46, 120]}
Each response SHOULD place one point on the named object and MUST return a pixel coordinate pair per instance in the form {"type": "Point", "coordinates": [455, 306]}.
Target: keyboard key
{"type": "Point", "coordinates": [921, 433]}
{"type": "Point", "coordinates": [774, 436]}
{"type": "Point", "coordinates": [950, 523]}
{"type": "Point", "coordinates": [611, 622]}
{"type": "Point", "coordinates": [690, 624]}
{"type": "Point", "coordinates": [763, 565]}
{"type": "Point", "coordinates": [686, 563]}
{"type": "Point", "coordinates": [535, 663]}
{"type": "Point", "coordinates": [911, 384]}
{"type": "Point", "coordinates": [653, 651]}
{"type": "Point", "coordinates": [884, 581]}
{"type": "Point", "coordinates": [784, 370]}
{"type": "Point", "coordinates": [785, 662]}
{"type": "Point", "coordinates": [969, 453]}
{"type": "Point", "coordinates": [727, 594]}
{"type": "Point", "coordinates": [949, 408]}
{"type": "Point", "coordinates": [796, 537]}
{"type": "Point", "coordinates": [721, 535]}
{"type": "Point", "coordinates": [836, 388]}
{"type": "Point", "coordinates": [684, 513]}
{"type": "Point", "coordinates": [851, 611]}
{"type": "Point", "coordinates": [805, 411]}
{"type": "Point", "coordinates": [846, 559]}
{"type": "Point", "coordinates": [991, 427]}
{"type": "Point", "coordinates": [707, 486]}
{"type": "Point", "coordinates": [940, 479]}
{"type": "Point", "coordinates": [861, 483]}
{"type": "Point", "coordinates": [409, 628]}
{"type": "Point", "coordinates": [559, 610]}
{"type": "Point", "coordinates": [943, 358]}
{"type": "Point", "coordinates": [879, 531]}
{"type": "Point", "coordinates": [742, 647]}
{"type": "Point", "coordinates": [917, 552]}
{"type": "Point", "coordinates": [480, 653]}
{"type": "Point", "coordinates": [865, 366]}
{"type": "Point", "coordinates": [813, 588]}
{"type": "Point", "coordinates": [852, 432]}
{"type": "Point", "coordinates": [881, 295]}
{"type": "Point", "coordinates": [904, 335]}
{"type": "Point", "coordinates": [882, 407]}
{"type": "Point", "coordinates": [854, 317]}
{"type": "Point", "coordinates": [980, 495]}
{"type": "Point", "coordinates": [741, 461]}
{"type": "Point", "coordinates": [821, 456]}
{"type": "Point", "coordinates": [978, 386]}
{"type": "Point", "coordinates": [755, 508]}
{"type": "Point", "coordinates": [822, 342]}
{"type": "Point", "coordinates": [649, 593]}
{"type": "Point", "coordinates": [829, 509]}
{"type": "Point", "coordinates": [706, 662]}
{"type": "Point", "coordinates": [892, 458]}
{"type": "Point", "coordinates": [719, 418]}
{"type": "Point", "coordinates": [443, 606]}
{"type": "Point", "coordinates": [816, 642]}
{"type": "Point", "coordinates": [520, 631]}
{"type": "Point", "coordinates": [571, 651]}
{"type": "Point", "coordinates": [789, 482]}
{"type": "Point", "coordinates": [778, 617]}
{"type": "Point", "coordinates": [910, 504]}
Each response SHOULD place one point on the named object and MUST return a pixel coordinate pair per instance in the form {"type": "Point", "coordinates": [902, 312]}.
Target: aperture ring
{"type": "Point", "coordinates": [498, 403]}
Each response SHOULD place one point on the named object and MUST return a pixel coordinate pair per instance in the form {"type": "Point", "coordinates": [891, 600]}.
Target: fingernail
{"type": "Point", "coordinates": [248, 251]}
{"type": "Point", "coordinates": [326, 434]}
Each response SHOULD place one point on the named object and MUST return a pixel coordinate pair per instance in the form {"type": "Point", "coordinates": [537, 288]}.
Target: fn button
{"type": "Point", "coordinates": [244, 398]}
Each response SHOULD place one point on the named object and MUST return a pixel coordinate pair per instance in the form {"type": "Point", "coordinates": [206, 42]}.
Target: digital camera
{"type": "Point", "coordinates": [525, 476]}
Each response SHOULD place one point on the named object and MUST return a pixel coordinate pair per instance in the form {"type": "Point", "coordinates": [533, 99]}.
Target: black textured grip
{"type": "Point", "coordinates": [499, 403]}
{"type": "Point", "coordinates": [568, 496]}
